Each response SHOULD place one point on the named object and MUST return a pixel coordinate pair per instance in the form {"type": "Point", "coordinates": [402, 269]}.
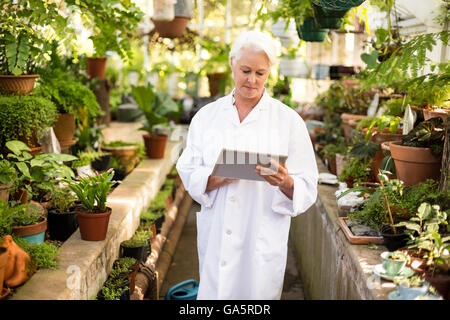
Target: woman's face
{"type": "Point", "coordinates": [250, 73]}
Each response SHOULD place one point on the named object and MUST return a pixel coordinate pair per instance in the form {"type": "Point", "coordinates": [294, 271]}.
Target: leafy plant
{"type": "Point", "coordinates": [124, 265]}
{"type": "Point", "coordinates": [141, 237]}
{"type": "Point", "coordinates": [7, 172]}
{"type": "Point", "coordinates": [43, 255]}
{"type": "Point", "coordinates": [330, 150]}
{"type": "Point", "coordinates": [423, 230]}
{"type": "Point", "coordinates": [86, 157]}
{"type": "Point", "coordinates": [92, 190]}
{"type": "Point", "coordinates": [414, 281]}
{"type": "Point", "coordinates": [155, 106]}
{"type": "Point", "coordinates": [427, 134]}
{"type": "Point", "coordinates": [62, 199]}
{"type": "Point", "coordinates": [119, 143]}
{"type": "Point", "coordinates": [6, 214]}
{"type": "Point", "coordinates": [22, 116]}
{"type": "Point", "coordinates": [377, 124]}
{"type": "Point", "coordinates": [285, 9]}
{"type": "Point", "coordinates": [356, 169]}
{"type": "Point", "coordinates": [113, 24]}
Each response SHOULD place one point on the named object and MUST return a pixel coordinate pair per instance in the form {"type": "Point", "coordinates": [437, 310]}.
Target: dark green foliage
{"type": "Point", "coordinates": [21, 116]}
{"type": "Point", "coordinates": [427, 135]}
{"type": "Point", "coordinates": [43, 255]}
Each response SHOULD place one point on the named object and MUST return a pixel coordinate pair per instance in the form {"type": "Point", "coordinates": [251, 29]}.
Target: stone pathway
{"type": "Point", "coordinates": [184, 265]}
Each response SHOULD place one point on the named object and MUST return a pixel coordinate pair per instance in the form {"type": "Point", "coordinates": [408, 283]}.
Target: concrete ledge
{"type": "Point", "coordinates": [331, 267]}
{"type": "Point", "coordinates": [85, 265]}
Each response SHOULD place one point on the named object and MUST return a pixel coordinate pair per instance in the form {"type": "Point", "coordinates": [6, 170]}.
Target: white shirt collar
{"type": "Point", "coordinates": [230, 101]}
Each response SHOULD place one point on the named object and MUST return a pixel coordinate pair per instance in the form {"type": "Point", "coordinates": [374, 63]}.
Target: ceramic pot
{"type": "Point", "coordinates": [414, 165]}
{"type": "Point", "coordinates": [172, 29]}
{"type": "Point", "coordinates": [393, 241]}
{"type": "Point", "coordinates": [155, 145]}
{"type": "Point", "coordinates": [61, 225]}
{"type": "Point", "coordinates": [391, 266]}
{"type": "Point", "coordinates": [96, 67]}
{"type": "Point", "coordinates": [93, 226]}
{"type": "Point", "coordinates": [17, 85]}
{"type": "Point", "coordinates": [34, 233]}
{"type": "Point", "coordinates": [410, 293]}
{"type": "Point", "coordinates": [64, 128]}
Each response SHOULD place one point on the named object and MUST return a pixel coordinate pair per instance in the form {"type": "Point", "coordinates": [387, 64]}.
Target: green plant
{"type": "Point", "coordinates": [113, 24]}
{"type": "Point", "coordinates": [63, 199]}
{"type": "Point", "coordinates": [68, 94]}
{"type": "Point", "coordinates": [330, 150]}
{"type": "Point", "coordinates": [423, 230]}
{"type": "Point", "coordinates": [23, 116]}
{"type": "Point", "coordinates": [45, 168]}
{"type": "Point", "coordinates": [155, 106]}
{"type": "Point", "coordinates": [90, 135]}
{"type": "Point", "coordinates": [377, 124]}
{"type": "Point", "coordinates": [119, 143]}
{"type": "Point", "coordinates": [124, 265]}
{"type": "Point", "coordinates": [150, 216]}
{"type": "Point", "coordinates": [25, 215]}
{"type": "Point", "coordinates": [43, 255]}
{"type": "Point", "coordinates": [92, 190]}
{"type": "Point", "coordinates": [141, 237]}
{"type": "Point", "coordinates": [427, 134]}
{"type": "Point", "coordinates": [285, 9]}
{"type": "Point", "coordinates": [6, 214]}
{"type": "Point", "coordinates": [414, 281]}
{"type": "Point", "coordinates": [114, 163]}
{"type": "Point", "coordinates": [7, 172]}
{"type": "Point", "coordinates": [356, 169]}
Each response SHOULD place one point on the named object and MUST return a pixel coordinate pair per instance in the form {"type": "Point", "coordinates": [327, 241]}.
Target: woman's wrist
{"type": "Point", "coordinates": [287, 187]}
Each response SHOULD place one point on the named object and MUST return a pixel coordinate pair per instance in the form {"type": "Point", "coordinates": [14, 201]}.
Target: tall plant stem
{"type": "Point", "coordinates": [389, 208]}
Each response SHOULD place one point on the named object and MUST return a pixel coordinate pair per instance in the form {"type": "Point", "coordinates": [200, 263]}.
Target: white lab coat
{"type": "Point", "coordinates": [243, 227]}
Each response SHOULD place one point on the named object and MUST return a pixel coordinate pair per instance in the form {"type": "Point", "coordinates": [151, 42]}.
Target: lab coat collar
{"type": "Point", "coordinates": [262, 105]}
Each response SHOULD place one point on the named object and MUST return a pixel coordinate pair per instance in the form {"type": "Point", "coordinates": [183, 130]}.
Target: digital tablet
{"type": "Point", "coordinates": [236, 164]}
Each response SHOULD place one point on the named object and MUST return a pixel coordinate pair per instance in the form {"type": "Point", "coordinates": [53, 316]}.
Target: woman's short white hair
{"type": "Point", "coordinates": [256, 41]}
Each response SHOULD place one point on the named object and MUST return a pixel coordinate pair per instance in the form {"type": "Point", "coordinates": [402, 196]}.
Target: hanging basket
{"type": "Point", "coordinates": [172, 29]}
{"type": "Point", "coordinates": [338, 4]}
{"type": "Point", "coordinates": [328, 18]}
{"type": "Point", "coordinates": [295, 68]}
{"type": "Point", "coordinates": [309, 31]}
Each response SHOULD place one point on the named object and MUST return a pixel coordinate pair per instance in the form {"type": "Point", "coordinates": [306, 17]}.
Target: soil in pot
{"type": "Point", "coordinates": [61, 225]}
{"type": "Point", "coordinates": [393, 241]}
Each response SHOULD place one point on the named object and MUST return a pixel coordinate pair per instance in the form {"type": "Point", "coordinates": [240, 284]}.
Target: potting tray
{"type": "Point", "coordinates": [357, 239]}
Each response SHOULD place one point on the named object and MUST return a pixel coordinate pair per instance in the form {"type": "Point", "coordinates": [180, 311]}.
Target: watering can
{"type": "Point", "coordinates": [186, 290]}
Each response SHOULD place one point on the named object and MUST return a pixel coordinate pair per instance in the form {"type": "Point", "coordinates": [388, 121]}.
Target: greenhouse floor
{"type": "Point", "coordinates": [184, 265]}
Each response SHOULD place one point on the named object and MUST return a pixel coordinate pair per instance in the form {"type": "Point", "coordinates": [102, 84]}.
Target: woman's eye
{"type": "Point", "coordinates": [245, 71]}
{"type": "Point", "coordinates": [259, 73]}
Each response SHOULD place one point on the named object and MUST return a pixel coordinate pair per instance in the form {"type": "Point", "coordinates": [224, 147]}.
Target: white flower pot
{"type": "Point", "coordinates": [295, 68]}
{"type": "Point", "coordinates": [278, 29]}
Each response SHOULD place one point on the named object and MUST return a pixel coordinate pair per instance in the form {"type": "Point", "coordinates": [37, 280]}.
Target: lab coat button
{"type": "Point", "coordinates": [229, 232]}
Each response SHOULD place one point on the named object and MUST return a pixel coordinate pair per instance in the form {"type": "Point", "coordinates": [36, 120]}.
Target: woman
{"type": "Point", "coordinates": [243, 225]}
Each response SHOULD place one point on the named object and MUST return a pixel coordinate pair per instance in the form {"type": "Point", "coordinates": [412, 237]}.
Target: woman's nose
{"type": "Point", "coordinates": [251, 78]}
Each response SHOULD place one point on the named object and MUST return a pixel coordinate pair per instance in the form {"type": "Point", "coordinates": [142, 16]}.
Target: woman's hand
{"type": "Point", "coordinates": [217, 182]}
{"type": "Point", "coordinates": [279, 178]}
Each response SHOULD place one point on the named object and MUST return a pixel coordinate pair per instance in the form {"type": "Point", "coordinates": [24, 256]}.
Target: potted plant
{"type": "Point", "coordinates": [155, 106]}
{"type": "Point", "coordinates": [113, 27]}
{"type": "Point", "coordinates": [292, 65]}
{"type": "Point", "coordinates": [8, 176]}
{"type": "Point", "coordinates": [138, 247]}
{"type": "Point", "coordinates": [125, 153]}
{"type": "Point", "coordinates": [93, 214]}
{"type": "Point", "coordinates": [329, 18]}
{"type": "Point", "coordinates": [82, 165]}
{"type": "Point", "coordinates": [329, 152]}
{"type": "Point", "coordinates": [126, 267]}
{"type": "Point", "coordinates": [28, 223]}
{"type": "Point", "coordinates": [418, 156]}
{"type": "Point", "coordinates": [115, 288]}
{"type": "Point", "coordinates": [175, 27]}
{"type": "Point", "coordinates": [424, 231]}
{"type": "Point", "coordinates": [217, 66]}
{"type": "Point", "coordinates": [62, 219]}
{"type": "Point", "coordinates": [25, 118]}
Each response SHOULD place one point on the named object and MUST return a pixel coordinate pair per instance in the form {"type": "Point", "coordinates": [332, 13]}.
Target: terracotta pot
{"type": "Point", "coordinates": [432, 113]}
{"type": "Point", "coordinates": [346, 117]}
{"type": "Point", "coordinates": [155, 145]}
{"type": "Point", "coordinates": [96, 67]}
{"type": "Point", "coordinates": [4, 191]}
{"type": "Point", "coordinates": [214, 82]}
{"type": "Point", "coordinates": [3, 261]}
{"type": "Point", "coordinates": [414, 165]}
{"type": "Point", "coordinates": [64, 128]}
{"type": "Point", "coordinates": [332, 163]}
{"type": "Point", "coordinates": [126, 156]}
{"type": "Point", "coordinates": [93, 226]}
{"type": "Point", "coordinates": [441, 282]}
{"type": "Point", "coordinates": [34, 233]}
{"type": "Point", "coordinates": [17, 85]}
{"type": "Point", "coordinates": [18, 267]}
{"type": "Point", "coordinates": [172, 29]}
